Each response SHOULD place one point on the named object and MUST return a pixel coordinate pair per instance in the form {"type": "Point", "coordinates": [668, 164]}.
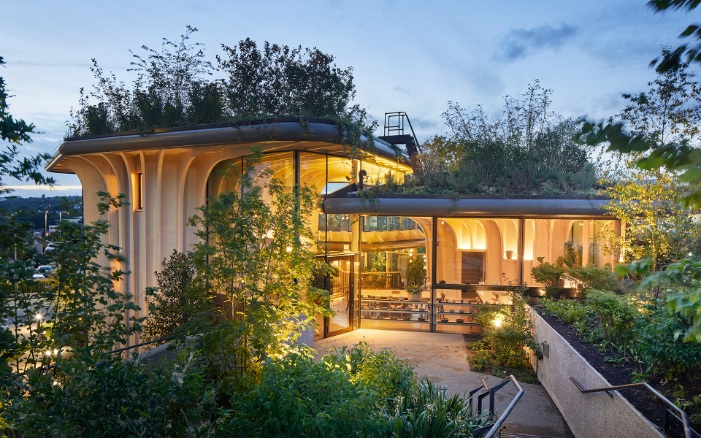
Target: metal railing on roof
{"type": "Point", "coordinates": [394, 125]}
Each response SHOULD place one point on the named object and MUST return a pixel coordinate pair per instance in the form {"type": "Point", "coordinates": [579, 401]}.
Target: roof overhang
{"type": "Point", "coordinates": [314, 134]}
{"type": "Point", "coordinates": [467, 207]}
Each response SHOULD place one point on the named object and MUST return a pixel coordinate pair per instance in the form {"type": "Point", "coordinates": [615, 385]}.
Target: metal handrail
{"type": "Point", "coordinates": [491, 391]}
{"type": "Point", "coordinates": [507, 411]}
{"type": "Point", "coordinates": [401, 115]}
{"type": "Point", "coordinates": [688, 431]}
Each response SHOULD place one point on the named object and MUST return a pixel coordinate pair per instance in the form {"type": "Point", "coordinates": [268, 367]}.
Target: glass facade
{"type": "Point", "coordinates": [338, 236]}
{"type": "Point", "coordinates": [379, 281]}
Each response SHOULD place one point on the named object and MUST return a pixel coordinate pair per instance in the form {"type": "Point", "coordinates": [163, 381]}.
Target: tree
{"type": "Point", "coordinates": [258, 256]}
{"type": "Point", "coordinates": [658, 135]}
{"type": "Point", "coordinates": [178, 302]}
{"type": "Point", "coordinates": [657, 226]}
{"type": "Point", "coordinates": [174, 88]}
{"type": "Point", "coordinates": [671, 60]}
{"type": "Point", "coordinates": [526, 150]}
{"type": "Point", "coordinates": [649, 201]}
{"type": "Point", "coordinates": [15, 132]}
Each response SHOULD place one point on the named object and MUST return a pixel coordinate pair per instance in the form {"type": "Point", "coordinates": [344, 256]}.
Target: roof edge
{"type": "Point", "coordinates": [468, 207]}
{"type": "Point", "coordinates": [287, 129]}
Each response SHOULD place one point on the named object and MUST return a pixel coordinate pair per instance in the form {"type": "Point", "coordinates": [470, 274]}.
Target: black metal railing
{"type": "Point", "coordinates": [485, 391]}
{"type": "Point", "coordinates": [395, 125]}
{"type": "Point", "coordinates": [671, 410]}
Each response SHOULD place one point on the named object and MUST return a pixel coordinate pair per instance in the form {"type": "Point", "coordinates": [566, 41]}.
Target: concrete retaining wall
{"type": "Point", "coordinates": [593, 415]}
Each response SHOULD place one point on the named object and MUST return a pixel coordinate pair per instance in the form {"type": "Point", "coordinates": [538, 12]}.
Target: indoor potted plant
{"type": "Point", "coordinates": [416, 277]}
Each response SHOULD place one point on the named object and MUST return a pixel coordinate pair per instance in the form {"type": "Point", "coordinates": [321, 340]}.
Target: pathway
{"type": "Point", "coordinates": [442, 358]}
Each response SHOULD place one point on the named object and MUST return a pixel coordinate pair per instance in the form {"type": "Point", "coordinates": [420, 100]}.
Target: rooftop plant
{"type": "Point", "coordinates": [177, 86]}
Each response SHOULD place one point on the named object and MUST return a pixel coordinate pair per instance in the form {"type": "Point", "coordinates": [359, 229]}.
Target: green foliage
{"type": "Point", "coordinates": [662, 353]}
{"type": "Point", "coordinates": [569, 311]}
{"type": "Point", "coordinates": [616, 316]}
{"type": "Point", "coordinates": [350, 392]}
{"type": "Point", "coordinates": [76, 309]}
{"type": "Point", "coordinates": [527, 150]}
{"type": "Point", "coordinates": [178, 305]}
{"type": "Point", "coordinates": [174, 88]}
{"type": "Point", "coordinates": [642, 332]}
{"type": "Point", "coordinates": [100, 395]}
{"type": "Point", "coordinates": [684, 298]}
{"type": "Point", "coordinates": [87, 310]}
{"type": "Point", "coordinates": [259, 256]}
{"type": "Point", "coordinates": [569, 266]}
{"type": "Point", "coordinates": [659, 129]}
{"type": "Point", "coordinates": [15, 132]}
{"type": "Point", "coordinates": [572, 255]}
{"type": "Point", "coordinates": [594, 277]}
{"type": "Point", "coordinates": [548, 274]}
{"type": "Point", "coordinates": [416, 274]}
{"type": "Point", "coordinates": [671, 60]}
{"type": "Point", "coordinates": [507, 332]}
{"type": "Point", "coordinates": [429, 413]}
{"type": "Point", "coordinates": [649, 198]}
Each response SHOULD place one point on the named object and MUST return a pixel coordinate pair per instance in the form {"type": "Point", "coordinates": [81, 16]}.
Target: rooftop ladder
{"type": "Point", "coordinates": [395, 123]}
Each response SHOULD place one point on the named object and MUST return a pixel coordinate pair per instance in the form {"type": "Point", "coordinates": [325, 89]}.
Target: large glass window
{"type": "Point", "coordinates": [396, 254]}
{"type": "Point", "coordinates": [225, 177]}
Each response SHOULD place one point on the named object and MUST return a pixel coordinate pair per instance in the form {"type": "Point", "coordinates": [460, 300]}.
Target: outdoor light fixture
{"type": "Point", "coordinates": [288, 249]}
{"type": "Point", "coordinates": [497, 321]}
{"type": "Point", "coordinates": [39, 317]}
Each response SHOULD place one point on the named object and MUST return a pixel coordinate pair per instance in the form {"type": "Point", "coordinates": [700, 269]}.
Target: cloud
{"type": "Point", "coordinates": [520, 43]}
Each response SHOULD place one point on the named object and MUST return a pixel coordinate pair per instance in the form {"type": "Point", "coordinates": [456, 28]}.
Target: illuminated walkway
{"type": "Point", "coordinates": [442, 358]}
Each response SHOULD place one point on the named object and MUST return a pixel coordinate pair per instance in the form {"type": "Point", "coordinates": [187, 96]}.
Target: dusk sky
{"type": "Point", "coordinates": [412, 56]}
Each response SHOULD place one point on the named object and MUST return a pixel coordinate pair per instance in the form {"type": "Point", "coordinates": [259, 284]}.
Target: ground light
{"type": "Point", "coordinates": [497, 321]}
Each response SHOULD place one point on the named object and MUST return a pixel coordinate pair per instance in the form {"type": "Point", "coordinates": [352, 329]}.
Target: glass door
{"type": "Point", "coordinates": [341, 288]}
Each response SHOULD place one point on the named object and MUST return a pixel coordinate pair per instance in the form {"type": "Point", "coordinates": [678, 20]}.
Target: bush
{"type": "Point", "coordinates": [593, 277]}
{"type": "Point", "coordinates": [616, 316]}
{"type": "Point", "coordinates": [178, 301]}
{"type": "Point", "coordinates": [663, 353]}
{"type": "Point", "coordinates": [566, 310]}
{"type": "Point", "coordinates": [351, 392]}
{"type": "Point", "coordinates": [503, 344]}
{"type": "Point", "coordinates": [548, 274]}
{"type": "Point", "coordinates": [107, 396]}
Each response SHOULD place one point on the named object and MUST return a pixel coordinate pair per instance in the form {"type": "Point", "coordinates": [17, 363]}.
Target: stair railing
{"type": "Point", "coordinates": [491, 430]}
{"type": "Point", "coordinates": [670, 409]}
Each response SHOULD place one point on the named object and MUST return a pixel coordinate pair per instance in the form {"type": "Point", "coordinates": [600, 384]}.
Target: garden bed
{"type": "Point", "coordinates": [619, 370]}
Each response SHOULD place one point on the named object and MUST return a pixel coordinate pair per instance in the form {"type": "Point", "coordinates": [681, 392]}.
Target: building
{"type": "Point", "coordinates": [473, 249]}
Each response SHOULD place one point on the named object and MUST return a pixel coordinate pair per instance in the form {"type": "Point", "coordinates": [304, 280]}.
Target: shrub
{"type": "Point", "coordinates": [178, 301]}
{"type": "Point", "coordinates": [616, 316]}
{"type": "Point", "coordinates": [567, 310]}
{"type": "Point", "coordinates": [350, 392]}
{"type": "Point", "coordinates": [593, 277]}
{"type": "Point", "coordinates": [504, 342]}
{"type": "Point", "coordinates": [548, 274]}
{"type": "Point", "coordinates": [95, 395]}
{"type": "Point", "coordinates": [663, 353]}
